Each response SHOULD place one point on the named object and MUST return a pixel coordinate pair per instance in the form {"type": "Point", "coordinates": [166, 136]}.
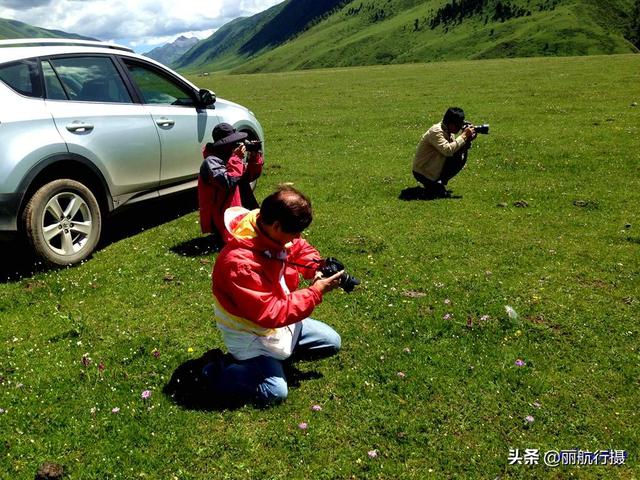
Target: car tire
{"type": "Point", "coordinates": [62, 222]}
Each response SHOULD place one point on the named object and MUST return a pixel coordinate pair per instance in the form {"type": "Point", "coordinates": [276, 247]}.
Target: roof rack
{"type": "Point", "coordinates": [60, 41]}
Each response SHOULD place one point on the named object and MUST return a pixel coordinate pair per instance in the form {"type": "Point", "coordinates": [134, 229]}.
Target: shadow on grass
{"type": "Point", "coordinates": [188, 387]}
{"type": "Point", "coordinates": [197, 247]}
{"type": "Point", "coordinates": [137, 218]}
{"type": "Point", "coordinates": [17, 260]}
{"type": "Point", "coordinates": [419, 193]}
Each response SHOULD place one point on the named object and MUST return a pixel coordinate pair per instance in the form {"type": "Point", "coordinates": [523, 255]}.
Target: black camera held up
{"type": "Point", "coordinates": [330, 266]}
{"type": "Point", "coordinates": [253, 145]}
{"type": "Point", "coordinates": [482, 129]}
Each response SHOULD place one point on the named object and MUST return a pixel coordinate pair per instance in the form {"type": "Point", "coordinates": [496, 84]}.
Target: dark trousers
{"type": "Point", "coordinates": [452, 166]}
{"type": "Point", "coordinates": [262, 379]}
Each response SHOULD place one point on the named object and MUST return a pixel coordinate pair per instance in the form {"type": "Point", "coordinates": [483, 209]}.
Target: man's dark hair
{"type": "Point", "coordinates": [289, 207]}
{"type": "Point", "coordinates": [454, 115]}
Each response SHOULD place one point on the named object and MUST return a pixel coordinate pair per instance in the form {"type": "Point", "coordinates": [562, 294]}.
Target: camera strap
{"type": "Point", "coordinates": [318, 261]}
{"type": "Point", "coordinates": [268, 255]}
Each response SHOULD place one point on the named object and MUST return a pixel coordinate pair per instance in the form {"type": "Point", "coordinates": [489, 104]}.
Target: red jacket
{"type": "Point", "coordinates": [248, 273]}
{"type": "Point", "coordinates": [218, 188]}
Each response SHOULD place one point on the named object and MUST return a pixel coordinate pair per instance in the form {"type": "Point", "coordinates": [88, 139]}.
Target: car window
{"type": "Point", "coordinates": [158, 89]}
{"type": "Point", "coordinates": [90, 79]}
{"type": "Point", "coordinates": [53, 87]}
{"type": "Point", "coordinates": [22, 77]}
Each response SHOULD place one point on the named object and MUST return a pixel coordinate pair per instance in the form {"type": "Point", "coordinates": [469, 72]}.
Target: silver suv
{"type": "Point", "coordinates": [87, 127]}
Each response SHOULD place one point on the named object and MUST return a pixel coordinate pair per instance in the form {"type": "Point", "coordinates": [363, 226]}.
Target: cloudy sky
{"type": "Point", "coordinates": [140, 24]}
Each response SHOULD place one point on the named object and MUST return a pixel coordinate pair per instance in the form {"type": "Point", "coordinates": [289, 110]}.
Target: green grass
{"type": "Point", "coordinates": [563, 139]}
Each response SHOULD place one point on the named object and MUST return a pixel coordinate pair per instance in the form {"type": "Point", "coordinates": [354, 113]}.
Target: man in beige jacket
{"type": "Point", "coordinates": [440, 155]}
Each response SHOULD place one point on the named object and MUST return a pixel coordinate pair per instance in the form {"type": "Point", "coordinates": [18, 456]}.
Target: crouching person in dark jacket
{"type": "Point", "coordinates": [225, 179]}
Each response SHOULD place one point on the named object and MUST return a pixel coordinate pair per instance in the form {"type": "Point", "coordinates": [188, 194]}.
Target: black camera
{"type": "Point", "coordinates": [330, 266]}
{"type": "Point", "coordinates": [253, 145]}
{"type": "Point", "coordinates": [482, 129]}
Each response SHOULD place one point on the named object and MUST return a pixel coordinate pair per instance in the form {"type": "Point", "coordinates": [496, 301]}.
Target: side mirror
{"type": "Point", "coordinates": [206, 97]}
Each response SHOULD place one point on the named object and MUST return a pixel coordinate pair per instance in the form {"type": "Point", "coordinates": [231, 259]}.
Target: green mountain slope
{"type": "Point", "coordinates": [15, 29]}
{"type": "Point", "coordinates": [244, 38]}
{"type": "Point", "coordinates": [367, 32]}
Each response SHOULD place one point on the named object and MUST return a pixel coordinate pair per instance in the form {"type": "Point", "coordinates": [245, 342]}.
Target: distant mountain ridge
{"type": "Point", "coordinates": [15, 29]}
{"type": "Point", "coordinates": [245, 37]}
{"type": "Point", "coordinates": [298, 34]}
{"type": "Point", "coordinates": [170, 52]}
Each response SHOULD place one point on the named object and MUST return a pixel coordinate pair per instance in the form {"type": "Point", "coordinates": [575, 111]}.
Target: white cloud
{"type": "Point", "coordinates": [138, 23]}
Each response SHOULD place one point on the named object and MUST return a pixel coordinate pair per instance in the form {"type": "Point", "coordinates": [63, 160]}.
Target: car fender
{"type": "Point", "coordinates": [238, 116]}
{"type": "Point", "coordinates": [66, 166]}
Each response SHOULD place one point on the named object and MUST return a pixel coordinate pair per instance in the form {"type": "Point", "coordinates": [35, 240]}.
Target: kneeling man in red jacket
{"type": "Point", "coordinates": [263, 316]}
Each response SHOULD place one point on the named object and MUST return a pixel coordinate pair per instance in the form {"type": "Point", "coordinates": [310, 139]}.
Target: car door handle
{"type": "Point", "coordinates": [165, 122]}
{"type": "Point", "coordinates": [79, 127]}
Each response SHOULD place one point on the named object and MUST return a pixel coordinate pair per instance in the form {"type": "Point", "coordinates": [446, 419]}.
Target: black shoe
{"type": "Point", "coordinates": [414, 193]}
{"type": "Point", "coordinates": [439, 191]}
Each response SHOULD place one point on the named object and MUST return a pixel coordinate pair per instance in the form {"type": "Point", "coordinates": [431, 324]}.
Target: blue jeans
{"type": "Point", "coordinates": [261, 380]}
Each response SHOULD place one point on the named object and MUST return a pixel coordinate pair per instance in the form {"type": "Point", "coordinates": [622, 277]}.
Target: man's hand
{"type": "Point", "coordinates": [469, 134]}
{"type": "Point", "coordinates": [240, 150]}
{"type": "Point", "coordinates": [327, 284]}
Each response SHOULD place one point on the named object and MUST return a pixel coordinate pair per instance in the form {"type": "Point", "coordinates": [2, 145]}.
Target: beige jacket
{"type": "Point", "coordinates": [435, 146]}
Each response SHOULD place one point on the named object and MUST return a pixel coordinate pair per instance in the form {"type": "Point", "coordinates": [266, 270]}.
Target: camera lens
{"type": "Point", "coordinates": [348, 282]}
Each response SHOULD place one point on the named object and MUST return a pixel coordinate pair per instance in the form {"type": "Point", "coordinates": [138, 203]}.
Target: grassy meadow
{"type": "Point", "coordinates": [546, 221]}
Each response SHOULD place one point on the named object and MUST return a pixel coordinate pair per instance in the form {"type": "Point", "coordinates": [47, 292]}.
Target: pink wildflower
{"type": "Point", "coordinates": [519, 363]}
{"type": "Point", "coordinates": [401, 374]}
{"type": "Point", "coordinates": [303, 425]}
{"type": "Point", "coordinates": [115, 410]}
{"type": "Point", "coordinates": [529, 419]}
{"type": "Point", "coordinates": [316, 408]}
{"type": "Point", "coordinates": [447, 316]}
{"type": "Point", "coordinates": [372, 453]}
{"type": "Point", "coordinates": [146, 394]}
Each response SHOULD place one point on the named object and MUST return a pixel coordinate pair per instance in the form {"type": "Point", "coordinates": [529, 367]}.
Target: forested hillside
{"type": "Point", "coordinates": [244, 38]}
{"type": "Point", "coordinates": [297, 34]}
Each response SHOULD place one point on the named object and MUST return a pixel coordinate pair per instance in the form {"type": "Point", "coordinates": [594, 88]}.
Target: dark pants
{"type": "Point", "coordinates": [452, 166]}
{"type": "Point", "coordinates": [262, 379]}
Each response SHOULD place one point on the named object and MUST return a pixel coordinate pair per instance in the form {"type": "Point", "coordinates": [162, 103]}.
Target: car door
{"type": "Point", "coordinates": [183, 127]}
{"type": "Point", "coordinates": [97, 118]}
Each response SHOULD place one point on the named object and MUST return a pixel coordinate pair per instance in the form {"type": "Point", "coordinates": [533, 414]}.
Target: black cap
{"type": "Point", "coordinates": [224, 134]}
